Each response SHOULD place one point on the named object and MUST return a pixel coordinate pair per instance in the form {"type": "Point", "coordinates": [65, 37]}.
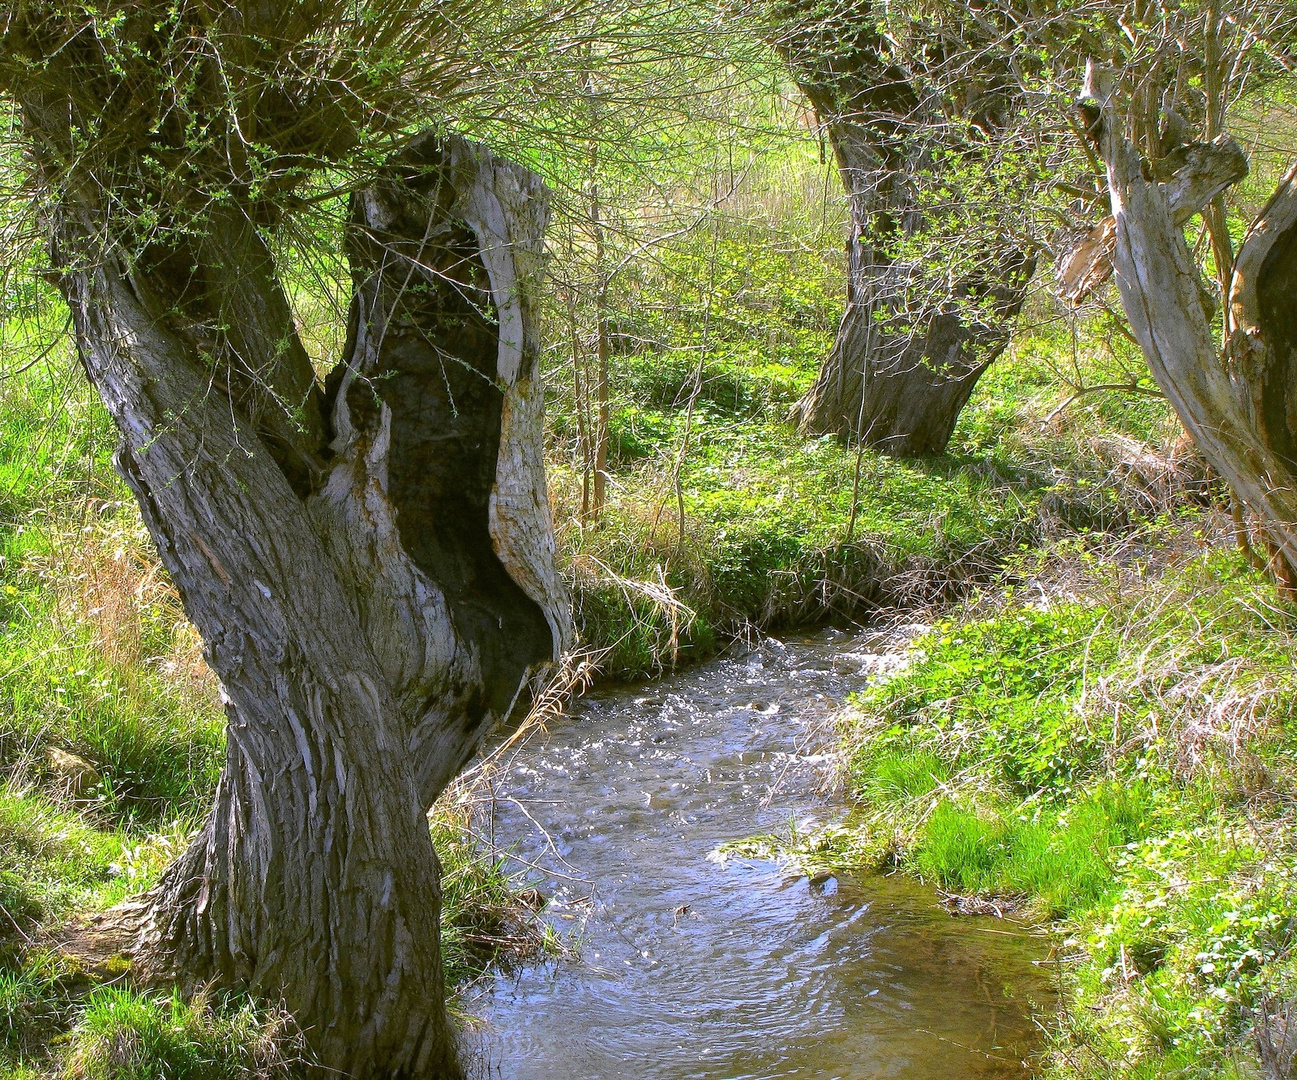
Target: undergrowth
{"type": "Point", "coordinates": [757, 528]}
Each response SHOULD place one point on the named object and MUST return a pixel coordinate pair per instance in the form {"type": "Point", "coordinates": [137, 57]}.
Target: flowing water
{"type": "Point", "coordinates": [689, 967]}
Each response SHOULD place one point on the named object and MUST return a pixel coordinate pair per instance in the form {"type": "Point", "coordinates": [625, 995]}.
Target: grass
{"type": "Point", "coordinates": [122, 1034]}
{"type": "Point", "coordinates": [1105, 743]}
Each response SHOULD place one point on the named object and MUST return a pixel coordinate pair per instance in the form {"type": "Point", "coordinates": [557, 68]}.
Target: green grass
{"type": "Point", "coordinates": [900, 774]}
{"type": "Point", "coordinates": [1060, 861]}
{"type": "Point", "coordinates": [483, 921]}
{"type": "Point", "coordinates": [772, 536]}
{"type": "Point", "coordinates": [125, 1035]}
{"type": "Point", "coordinates": [1120, 763]}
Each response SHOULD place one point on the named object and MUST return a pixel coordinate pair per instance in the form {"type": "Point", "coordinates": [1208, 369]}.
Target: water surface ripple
{"type": "Point", "coordinates": [694, 969]}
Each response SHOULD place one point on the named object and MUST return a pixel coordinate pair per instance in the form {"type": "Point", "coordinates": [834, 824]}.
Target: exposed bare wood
{"type": "Point", "coordinates": [1237, 413]}
{"type": "Point", "coordinates": [1261, 344]}
{"type": "Point", "coordinates": [1191, 177]}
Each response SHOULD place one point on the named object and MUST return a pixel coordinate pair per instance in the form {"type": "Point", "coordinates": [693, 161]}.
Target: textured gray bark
{"type": "Point", "coordinates": [915, 337]}
{"type": "Point", "coordinates": [1189, 179]}
{"type": "Point", "coordinates": [1238, 409]}
{"type": "Point", "coordinates": [370, 566]}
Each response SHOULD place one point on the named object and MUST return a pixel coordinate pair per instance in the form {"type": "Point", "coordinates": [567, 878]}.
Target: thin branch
{"type": "Point", "coordinates": [1131, 387]}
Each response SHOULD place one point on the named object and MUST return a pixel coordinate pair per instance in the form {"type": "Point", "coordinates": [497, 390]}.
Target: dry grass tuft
{"type": "Point", "coordinates": [1274, 1027]}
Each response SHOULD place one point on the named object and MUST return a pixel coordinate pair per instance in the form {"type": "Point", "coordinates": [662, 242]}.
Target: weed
{"type": "Point", "coordinates": [126, 1035]}
{"type": "Point", "coordinates": [486, 917]}
{"type": "Point", "coordinates": [29, 1006]}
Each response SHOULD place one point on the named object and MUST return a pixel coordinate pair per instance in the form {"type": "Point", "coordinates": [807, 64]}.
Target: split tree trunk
{"type": "Point", "coordinates": [916, 336]}
{"type": "Point", "coordinates": [1191, 179]}
{"type": "Point", "coordinates": [370, 566]}
{"type": "Point", "coordinates": [1239, 410]}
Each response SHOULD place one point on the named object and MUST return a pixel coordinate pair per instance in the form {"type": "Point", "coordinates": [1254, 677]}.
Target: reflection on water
{"type": "Point", "coordinates": [692, 968]}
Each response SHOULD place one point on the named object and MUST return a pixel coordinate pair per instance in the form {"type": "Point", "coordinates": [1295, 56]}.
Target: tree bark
{"type": "Point", "coordinates": [1261, 334]}
{"type": "Point", "coordinates": [1191, 178]}
{"type": "Point", "coordinates": [902, 368]}
{"type": "Point", "coordinates": [916, 335]}
{"type": "Point", "coordinates": [1238, 410]}
{"type": "Point", "coordinates": [370, 565]}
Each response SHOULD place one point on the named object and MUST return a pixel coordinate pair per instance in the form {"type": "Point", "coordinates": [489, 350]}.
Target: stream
{"type": "Point", "coordinates": [690, 967]}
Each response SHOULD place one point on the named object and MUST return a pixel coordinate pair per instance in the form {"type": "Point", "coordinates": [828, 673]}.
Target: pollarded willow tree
{"type": "Point", "coordinates": [367, 556]}
{"type": "Point", "coordinates": [1156, 116]}
{"type": "Point", "coordinates": [1238, 403]}
{"type": "Point", "coordinates": [919, 105]}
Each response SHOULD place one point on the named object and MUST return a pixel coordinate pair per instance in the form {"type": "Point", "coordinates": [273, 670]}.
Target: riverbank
{"type": "Point", "coordinates": [1105, 746]}
{"type": "Point", "coordinates": [724, 523]}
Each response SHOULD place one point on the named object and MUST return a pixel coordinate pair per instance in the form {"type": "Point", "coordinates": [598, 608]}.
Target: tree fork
{"type": "Point", "coordinates": [1239, 412]}
{"type": "Point", "coordinates": [372, 615]}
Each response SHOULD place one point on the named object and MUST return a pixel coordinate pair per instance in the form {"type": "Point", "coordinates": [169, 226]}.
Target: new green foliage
{"type": "Point", "coordinates": [1002, 691]}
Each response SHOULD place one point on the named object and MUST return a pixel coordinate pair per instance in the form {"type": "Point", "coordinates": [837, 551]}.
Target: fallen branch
{"type": "Point", "coordinates": [1131, 387]}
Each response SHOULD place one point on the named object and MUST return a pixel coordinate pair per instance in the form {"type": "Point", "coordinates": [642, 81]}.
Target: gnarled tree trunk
{"type": "Point", "coordinates": [1261, 324]}
{"type": "Point", "coordinates": [916, 334]}
{"type": "Point", "coordinates": [370, 564]}
{"type": "Point", "coordinates": [1240, 409]}
{"type": "Point", "coordinates": [904, 363]}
